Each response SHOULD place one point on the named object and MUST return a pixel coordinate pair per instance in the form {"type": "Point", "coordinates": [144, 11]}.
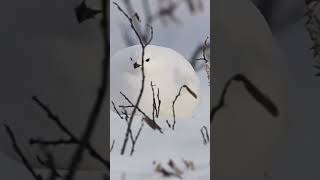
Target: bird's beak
{"type": "Point", "coordinates": [136, 65]}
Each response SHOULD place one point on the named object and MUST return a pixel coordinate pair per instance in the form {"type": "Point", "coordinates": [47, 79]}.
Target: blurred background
{"type": "Point", "coordinates": [180, 25]}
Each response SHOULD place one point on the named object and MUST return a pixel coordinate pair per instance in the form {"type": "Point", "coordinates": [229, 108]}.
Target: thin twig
{"type": "Point", "coordinates": [19, 152]}
{"type": "Point", "coordinates": [97, 107]}
{"type": "Point", "coordinates": [114, 107]}
{"type": "Point", "coordinates": [154, 105]}
{"type": "Point", "coordinates": [159, 102]}
{"type": "Point", "coordinates": [52, 116]}
{"type": "Point", "coordinates": [205, 135]}
{"type": "Point", "coordinates": [111, 148]}
{"type": "Point", "coordinates": [176, 98]}
{"type": "Point", "coordinates": [167, 11]}
{"type": "Point", "coordinates": [169, 125]}
{"type": "Point", "coordinates": [134, 140]}
{"type": "Point", "coordinates": [205, 46]}
{"type": "Point", "coordinates": [260, 97]}
{"type": "Point", "coordinates": [61, 126]}
{"type": "Point", "coordinates": [53, 142]}
{"type": "Point", "coordinates": [204, 58]}
{"type": "Point", "coordinates": [199, 49]}
{"type": "Point", "coordinates": [49, 163]}
{"type": "Point", "coordinates": [143, 46]}
{"type": "Point", "coordinates": [148, 120]}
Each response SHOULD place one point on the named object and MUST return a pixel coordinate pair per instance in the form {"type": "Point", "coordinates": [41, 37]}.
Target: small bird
{"type": "Point", "coordinates": [170, 80]}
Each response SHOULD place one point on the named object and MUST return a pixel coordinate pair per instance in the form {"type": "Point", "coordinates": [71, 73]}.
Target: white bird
{"type": "Point", "coordinates": [246, 136]}
{"type": "Point", "coordinates": [166, 69]}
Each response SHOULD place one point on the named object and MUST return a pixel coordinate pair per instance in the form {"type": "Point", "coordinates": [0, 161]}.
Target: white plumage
{"type": "Point", "coordinates": [166, 69]}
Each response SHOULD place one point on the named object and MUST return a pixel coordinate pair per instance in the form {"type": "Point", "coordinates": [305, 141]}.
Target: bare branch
{"type": "Point", "coordinates": [19, 152]}
{"type": "Point", "coordinates": [72, 137]}
{"type": "Point", "coordinates": [176, 98]}
{"type": "Point", "coordinates": [134, 140]}
{"type": "Point", "coordinates": [169, 125]}
{"type": "Point", "coordinates": [205, 135]}
{"type": "Point", "coordinates": [205, 46]}
{"type": "Point", "coordinates": [167, 11]}
{"type": "Point", "coordinates": [97, 107]}
{"type": "Point", "coordinates": [159, 102]}
{"type": "Point", "coordinates": [155, 112]}
{"type": "Point", "coordinates": [111, 148]}
{"type": "Point", "coordinates": [53, 142]}
{"type": "Point", "coordinates": [114, 107]}
{"type": "Point", "coordinates": [143, 45]}
{"type": "Point", "coordinates": [197, 51]}
{"type": "Point", "coordinates": [254, 92]}
{"type": "Point", "coordinates": [148, 120]}
{"type": "Point", "coordinates": [131, 25]}
{"type": "Point", "coordinates": [49, 163]}
{"type": "Point", "coordinates": [52, 116]}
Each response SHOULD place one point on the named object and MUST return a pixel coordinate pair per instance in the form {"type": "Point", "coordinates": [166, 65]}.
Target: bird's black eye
{"type": "Point", "coordinates": [147, 60]}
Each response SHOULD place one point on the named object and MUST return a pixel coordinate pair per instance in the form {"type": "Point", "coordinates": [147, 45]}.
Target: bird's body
{"type": "Point", "coordinates": [166, 69]}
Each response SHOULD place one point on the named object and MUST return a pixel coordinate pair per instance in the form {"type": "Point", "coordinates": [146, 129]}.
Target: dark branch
{"type": "Point", "coordinates": [61, 126]}
{"type": "Point", "coordinates": [134, 140]}
{"type": "Point", "coordinates": [53, 142]}
{"type": "Point", "coordinates": [159, 102]}
{"type": "Point", "coordinates": [143, 46]}
{"type": "Point", "coordinates": [52, 116]}
{"type": "Point", "coordinates": [97, 107]}
{"type": "Point", "coordinates": [114, 107]}
{"type": "Point", "coordinates": [19, 152]}
{"type": "Point", "coordinates": [205, 135]}
{"type": "Point", "coordinates": [111, 148]}
{"type": "Point", "coordinates": [49, 163]}
{"type": "Point", "coordinates": [148, 120]}
{"type": "Point", "coordinates": [205, 47]}
{"type": "Point", "coordinates": [176, 98]}
{"type": "Point", "coordinates": [260, 97]}
{"type": "Point", "coordinates": [169, 125]}
{"type": "Point", "coordinates": [154, 105]}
